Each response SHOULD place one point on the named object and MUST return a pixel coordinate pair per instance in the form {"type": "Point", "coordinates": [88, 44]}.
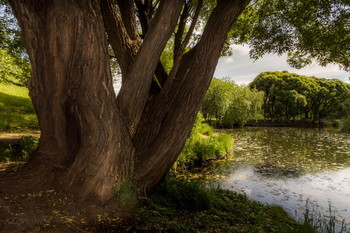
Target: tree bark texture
{"type": "Point", "coordinates": [91, 140]}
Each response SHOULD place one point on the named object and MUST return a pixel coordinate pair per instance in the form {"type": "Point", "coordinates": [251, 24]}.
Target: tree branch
{"type": "Point", "coordinates": [145, 13]}
{"type": "Point", "coordinates": [180, 98]}
{"type": "Point", "coordinates": [182, 45]}
{"type": "Point", "coordinates": [181, 29]}
{"type": "Point", "coordinates": [135, 89]}
{"type": "Point", "coordinates": [123, 46]}
{"type": "Point", "coordinates": [127, 11]}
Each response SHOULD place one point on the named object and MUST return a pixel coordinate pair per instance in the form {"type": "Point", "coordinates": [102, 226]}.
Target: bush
{"type": "Point", "coordinates": [225, 143]}
{"type": "Point", "coordinates": [182, 195]}
{"type": "Point", "coordinates": [203, 145]}
{"type": "Point", "coordinates": [19, 150]}
{"type": "Point", "coordinates": [345, 125]}
{"type": "Point", "coordinates": [206, 129]}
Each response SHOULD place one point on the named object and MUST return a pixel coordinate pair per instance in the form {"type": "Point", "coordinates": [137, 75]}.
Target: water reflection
{"type": "Point", "coordinates": [288, 167]}
{"type": "Point", "coordinates": [319, 190]}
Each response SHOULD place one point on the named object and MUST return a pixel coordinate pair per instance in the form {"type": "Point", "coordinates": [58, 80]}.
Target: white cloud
{"type": "Point", "coordinates": [243, 70]}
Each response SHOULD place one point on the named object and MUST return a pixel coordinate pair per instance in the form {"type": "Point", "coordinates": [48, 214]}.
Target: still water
{"type": "Point", "coordinates": [291, 167]}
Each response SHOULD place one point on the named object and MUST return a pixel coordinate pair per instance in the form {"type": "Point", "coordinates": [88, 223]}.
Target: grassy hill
{"type": "Point", "coordinates": [16, 109]}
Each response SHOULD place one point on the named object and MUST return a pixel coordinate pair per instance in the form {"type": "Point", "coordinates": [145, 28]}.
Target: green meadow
{"type": "Point", "coordinates": [16, 109]}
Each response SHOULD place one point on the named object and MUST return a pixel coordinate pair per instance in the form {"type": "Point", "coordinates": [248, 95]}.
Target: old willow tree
{"type": "Point", "coordinates": [91, 140]}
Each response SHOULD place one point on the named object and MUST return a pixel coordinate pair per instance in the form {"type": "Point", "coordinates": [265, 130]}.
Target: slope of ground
{"type": "Point", "coordinates": [16, 109]}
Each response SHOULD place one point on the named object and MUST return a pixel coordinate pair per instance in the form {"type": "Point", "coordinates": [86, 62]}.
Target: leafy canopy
{"type": "Point", "coordinates": [288, 95]}
{"type": "Point", "coordinates": [14, 64]}
{"type": "Point", "coordinates": [308, 30]}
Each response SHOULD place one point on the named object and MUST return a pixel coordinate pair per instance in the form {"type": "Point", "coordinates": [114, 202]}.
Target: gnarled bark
{"type": "Point", "coordinates": [91, 141]}
{"type": "Point", "coordinates": [84, 143]}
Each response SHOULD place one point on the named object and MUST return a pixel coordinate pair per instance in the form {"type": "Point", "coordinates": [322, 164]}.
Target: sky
{"type": "Point", "coordinates": [241, 69]}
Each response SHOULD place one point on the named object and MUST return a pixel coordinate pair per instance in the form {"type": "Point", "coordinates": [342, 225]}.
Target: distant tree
{"type": "Point", "coordinates": [288, 96]}
{"type": "Point", "coordinates": [13, 70]}
{"type": "Point", "coordinates": [218, 98]}
{"type": "Point", "coordinates": [14, 64]}
{"type": "Point", "coordinates": [245, 105]}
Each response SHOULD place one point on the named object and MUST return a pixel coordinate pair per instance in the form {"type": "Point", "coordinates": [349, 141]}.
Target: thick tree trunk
{"type": "Point", "coordinates": [91, 142]}
{"type": "Point", "coordinates": [168, 120]}
{"type": "Point", "coordinates": [84, 143]}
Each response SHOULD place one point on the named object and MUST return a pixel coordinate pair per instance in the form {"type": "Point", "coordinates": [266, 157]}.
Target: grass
{"type": "Point", "coordinates": [325, 224]}
{"type": "Point", "coordinates": [16, 109]}
{"type": "Point", "coordinates": [181, 206]}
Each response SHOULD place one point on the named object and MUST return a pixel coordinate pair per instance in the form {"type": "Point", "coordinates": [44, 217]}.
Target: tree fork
{"type": "Point", "coordinates": [180, 99]}
{"type": "Point", "coordinates": [91, 141]}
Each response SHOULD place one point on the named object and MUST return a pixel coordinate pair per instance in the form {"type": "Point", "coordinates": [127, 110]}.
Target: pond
{"type": "Point", "coordinates": [296, 168]}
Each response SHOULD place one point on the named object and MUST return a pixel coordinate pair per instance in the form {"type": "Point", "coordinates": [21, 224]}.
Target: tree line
{"type": "Point", "coordinates": [276, 96]}
{"type": "Point", "coordinates": [289, 96]}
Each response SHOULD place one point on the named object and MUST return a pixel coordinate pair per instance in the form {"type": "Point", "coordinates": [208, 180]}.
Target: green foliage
{"type": "Point", "coordinates": [182, 206]}
{"type": "Point", "coordinates": [12, 69]}
{"type": "Point", "coordinates": [308, 30]}
{"type": "Point", "coordinates": [291, 96]}
{"type": "Point", "coordinates": [345, 125]}
{"type": "Point", "coordinates": [14, 64]}
{"type": "Point", "coordinates": [203, 145]}
{"type": "Point", "coordinates": [10, 34]}
{"type": "Point", "coordinates": [16, 108]}
{"type": "Point", "coordinates": [167, 60]}
{"type": "Point", "coordinates": [225, 143]}
{"type": "Point", "coordinates": [19, 150]}
{"type": "Point", "coordinates": [245, 105]}
{"type": "Point", "coordinates": [218, 98]}
{"type": "Point", "coordinates": [232, 103]}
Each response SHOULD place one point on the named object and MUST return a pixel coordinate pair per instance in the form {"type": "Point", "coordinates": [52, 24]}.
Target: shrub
{"type": "Point", "coordinates": [345, 125]}
{"type": "Point", "coordinates": [19, 150]}
{"type": "Point", "coordinates": [183, 195]}
{"type": "Point", "coordinates": [206, 129]}
{"type": "Point", "coordinates": [203, 145]}
{"type": "Point", "coordinates": [225, 142]}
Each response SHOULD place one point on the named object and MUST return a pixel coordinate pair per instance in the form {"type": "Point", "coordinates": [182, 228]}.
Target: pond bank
{"type": "Point", "coordinates": [291, 123]}
{"type": "Point", "coordinates": [182, 206]}
{"type": "Point", "coordinates": [296, 168]}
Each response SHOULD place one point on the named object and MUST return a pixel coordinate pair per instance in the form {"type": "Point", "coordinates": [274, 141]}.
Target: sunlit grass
{"type": "Point", "coordinates": [14, 90]}
{"type": "Point", "coordinates": [16, 109]}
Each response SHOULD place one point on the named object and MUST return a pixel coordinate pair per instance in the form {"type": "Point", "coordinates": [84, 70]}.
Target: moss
{"type": "Point", "coordinates": [125, 196]}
